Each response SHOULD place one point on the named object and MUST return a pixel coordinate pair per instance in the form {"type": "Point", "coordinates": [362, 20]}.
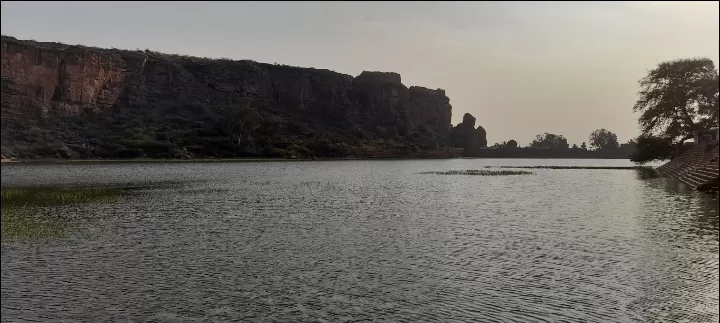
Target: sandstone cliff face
{"type": "Point", "coordinates": [49, 79]}
{"type": "Point", "coordinates": [63, 79]}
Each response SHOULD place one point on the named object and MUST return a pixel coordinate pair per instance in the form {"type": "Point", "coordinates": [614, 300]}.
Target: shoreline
{"type": "Point", "coordinates": [201, 160]}
{"type": "Point", "coordinates": [243, 160]}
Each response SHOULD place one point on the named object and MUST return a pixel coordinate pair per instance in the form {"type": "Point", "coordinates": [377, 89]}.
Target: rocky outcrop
{"type": "Point", "coordinates": [465, 135]}
{"type": "Point", "coordinates": [479, 138]}
{"type": "Point", "coordinates": [51, 79]}
{"type": "Point", "coordinates": [463, 131]}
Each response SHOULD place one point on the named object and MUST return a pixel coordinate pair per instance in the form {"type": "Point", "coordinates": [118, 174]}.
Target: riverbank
{"type": "Point", "coordinates": [201, 160]}
{"type": "Point", "coordinates": [239, 160]}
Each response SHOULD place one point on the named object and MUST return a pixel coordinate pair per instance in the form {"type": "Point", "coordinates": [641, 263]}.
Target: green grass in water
{"type": "Point", "coordinates": [46, 196]}
{"type": "Point", "coordinates": [24, 222]}
{"type": "Point", "coordinates": [21, 208]}
{"type": "Point", "coordinates": [476, 172]}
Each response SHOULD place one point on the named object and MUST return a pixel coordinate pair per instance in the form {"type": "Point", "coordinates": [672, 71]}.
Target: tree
{"type": "Point", "coordinates": [549, 140]}
{"type": "Point", "coordinates": [583, 146]}
{"type": "Point", "coordinates": [236, 119]}
{"type": "Point", "coordinates": [271, 125]}
{"type": "Point", "coordinates": [603, 139]}
{"type": "Point", "coordinates": [499, 145]}
{"type": "Point", "coordinates": [649, 148]}
{"type": "Point", "coordinates": [510, 144]}
{"type": "Point", "coordinates": [574, 146]}
{"type": "Point", "coordinates": [678, 98]}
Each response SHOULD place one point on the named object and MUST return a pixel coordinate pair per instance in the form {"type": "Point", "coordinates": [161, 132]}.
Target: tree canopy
{"type": "Point", "coordinates": [603, 139]}
{"type": "Point", "coordinates": [650, 148]}
{"type": "Point", "coordinates": [239, 118]}
{"type": "Point", "coordinates": [678, 98]}
{"type": "Point", "coordinates": [510, 144]}
{"type": "Point", "coordinates": [549, 140]}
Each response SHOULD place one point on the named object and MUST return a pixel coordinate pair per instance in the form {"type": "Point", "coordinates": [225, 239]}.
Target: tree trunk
{"type": "Point", "coordinates": [679, 146]}
{"type": "Point", "coordinates": [239, 135]}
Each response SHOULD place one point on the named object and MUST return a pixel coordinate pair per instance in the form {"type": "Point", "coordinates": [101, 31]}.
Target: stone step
{"type": "Point", "coordinates": [706, 173]}
{"type": "Point", "coordinates": [698, 166]}
{"type": "Point", "coordinates": [709, 169]}
{"type": "Point", "coordinates": [700, 170]}
{"type": "Point", "coordinates": [693, 180]}
{"type": "Point", "coordinates": [696, 179]}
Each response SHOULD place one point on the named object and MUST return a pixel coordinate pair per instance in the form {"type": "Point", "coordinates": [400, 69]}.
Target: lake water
{"type": "Point", "coordinates": [368, 241]}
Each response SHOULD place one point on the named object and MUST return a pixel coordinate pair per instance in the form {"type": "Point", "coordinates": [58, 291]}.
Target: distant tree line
{"type": "Point", "coordinates": [599, 139]}
{"type": "Point", "coordinates": [676, 99]}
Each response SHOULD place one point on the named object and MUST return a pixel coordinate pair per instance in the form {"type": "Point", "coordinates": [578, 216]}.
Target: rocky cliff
{"type": "Point", "coordinates": [75, 96]}
{"type": "Point", "coordinates": [465, 135]}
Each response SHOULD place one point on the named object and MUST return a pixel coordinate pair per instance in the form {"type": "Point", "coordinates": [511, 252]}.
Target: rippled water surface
{"type": "Point", "coordinates": [367, 241]}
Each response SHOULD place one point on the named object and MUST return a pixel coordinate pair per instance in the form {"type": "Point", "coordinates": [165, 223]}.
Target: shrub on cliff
{"type": "Point", "coordinates": [326, 148]}
{"type": "Point", "coordinates": [152, 148]}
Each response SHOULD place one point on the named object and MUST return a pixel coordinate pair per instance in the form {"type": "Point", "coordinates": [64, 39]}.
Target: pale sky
{"type": "Point", "coordinates": [520, 68]}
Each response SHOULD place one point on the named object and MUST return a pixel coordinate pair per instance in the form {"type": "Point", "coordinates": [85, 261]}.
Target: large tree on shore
{"type": "Point", "coordinates": [678, 98]}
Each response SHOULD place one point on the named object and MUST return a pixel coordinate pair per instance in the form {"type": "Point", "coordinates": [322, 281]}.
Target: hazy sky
{"type": "Point", "coordinates": [520, 68]}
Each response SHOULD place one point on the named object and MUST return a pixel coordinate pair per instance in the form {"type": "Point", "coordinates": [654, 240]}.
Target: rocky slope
{"type": "Point", "coordinates": [75, 101]}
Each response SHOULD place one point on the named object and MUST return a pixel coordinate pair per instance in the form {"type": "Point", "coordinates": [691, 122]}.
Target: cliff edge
{"type": "Point", "coordinates": [80, 102]}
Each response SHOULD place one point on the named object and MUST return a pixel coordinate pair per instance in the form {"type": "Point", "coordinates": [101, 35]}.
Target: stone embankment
{"type": "Point", "coordinates": [697, 167]}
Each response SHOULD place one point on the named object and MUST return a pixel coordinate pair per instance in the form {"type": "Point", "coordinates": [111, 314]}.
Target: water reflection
{"type": "Point", "coordinates": [680, 270]}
